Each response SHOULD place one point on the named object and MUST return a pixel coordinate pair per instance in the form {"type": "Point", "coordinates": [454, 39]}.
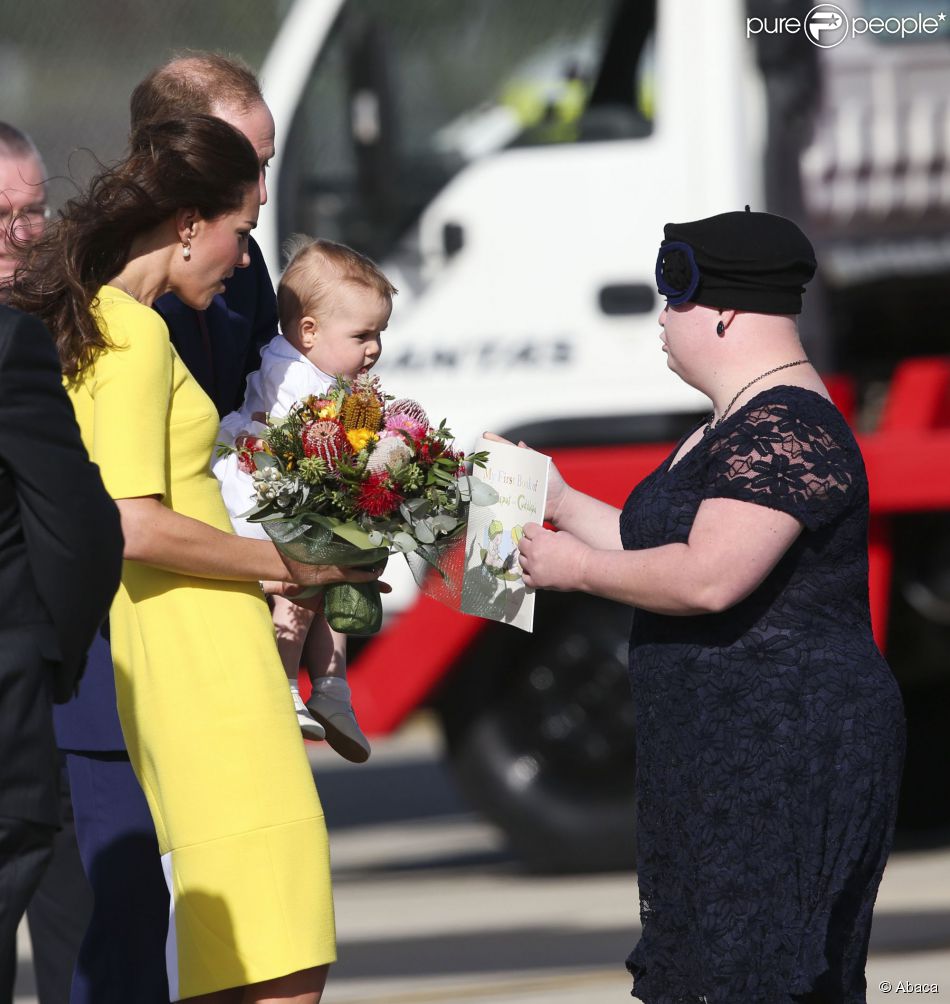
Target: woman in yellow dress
{"type": "Point", "coordinates": [202, 696]}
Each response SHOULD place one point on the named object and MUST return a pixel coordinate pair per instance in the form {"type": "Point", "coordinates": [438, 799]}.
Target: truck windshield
{"type": "Point", "coordinates": [404, 95]}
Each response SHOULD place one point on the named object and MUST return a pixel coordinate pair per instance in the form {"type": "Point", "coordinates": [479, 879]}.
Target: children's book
{"type": "Point", "coordinates": [493, 585]}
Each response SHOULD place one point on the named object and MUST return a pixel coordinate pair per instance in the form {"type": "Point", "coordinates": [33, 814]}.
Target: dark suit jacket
{"type": "Point", "coordinates": [60, 555]}
{"type": "Point", "coordinates": [238, 324]}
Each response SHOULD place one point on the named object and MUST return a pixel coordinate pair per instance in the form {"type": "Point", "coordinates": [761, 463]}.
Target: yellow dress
{"type": "Point", "coordinates": [203, 699]}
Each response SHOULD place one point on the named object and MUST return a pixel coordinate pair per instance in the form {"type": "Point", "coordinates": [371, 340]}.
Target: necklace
{"type": "Point", "coordinates": [125, 289]}
{"type": "Point", "coordinates": [710, 425]}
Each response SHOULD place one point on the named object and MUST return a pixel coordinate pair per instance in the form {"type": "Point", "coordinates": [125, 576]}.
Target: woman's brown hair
{"type": "Point", "coordinates": [198, 163]}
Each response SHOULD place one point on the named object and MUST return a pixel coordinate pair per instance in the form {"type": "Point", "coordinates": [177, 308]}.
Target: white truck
{"type": "Point", "coordinates": [511, 165]}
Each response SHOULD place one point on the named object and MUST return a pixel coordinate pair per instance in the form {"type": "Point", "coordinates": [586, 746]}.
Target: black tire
{"type": "Point", "coordinates": [540, 731]}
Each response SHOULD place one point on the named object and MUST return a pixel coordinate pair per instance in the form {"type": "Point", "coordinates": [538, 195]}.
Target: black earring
{"type": "Point", "coordinates": [720, 329]}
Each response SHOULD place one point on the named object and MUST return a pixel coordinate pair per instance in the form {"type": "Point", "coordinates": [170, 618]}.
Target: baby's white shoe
{"type": "Point", "coordinates": [310, 728]}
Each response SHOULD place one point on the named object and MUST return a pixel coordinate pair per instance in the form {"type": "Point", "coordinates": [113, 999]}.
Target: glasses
{"type": "Point", "coordinates": [30, 216]}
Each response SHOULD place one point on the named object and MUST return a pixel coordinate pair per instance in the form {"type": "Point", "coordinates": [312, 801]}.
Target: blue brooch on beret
{"type": "Point", "coordinates": [677, 274]}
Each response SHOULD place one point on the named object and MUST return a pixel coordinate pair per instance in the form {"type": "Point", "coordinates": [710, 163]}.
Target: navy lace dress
{"type": "Point", "coordinates": [770, 736]}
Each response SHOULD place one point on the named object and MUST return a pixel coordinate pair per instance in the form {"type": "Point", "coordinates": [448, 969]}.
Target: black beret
{"type": "Point", "coordinates": [738, 261]}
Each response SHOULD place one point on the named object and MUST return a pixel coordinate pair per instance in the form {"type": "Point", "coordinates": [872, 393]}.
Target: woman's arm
{"type": "Point", "coordinates": [155, 535]}
{"type": "Point", "coordinates": [588, 519]}
{"type": "Point", "coordinates": [732, 547]}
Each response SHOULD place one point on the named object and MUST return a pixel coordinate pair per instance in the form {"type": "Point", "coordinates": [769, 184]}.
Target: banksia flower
{"type": "Point", "coordinates": [362, 410]}
{"type": "Point", "coordinates": [388, 454]}
{"type": "Point", "coordinates": [412, 409]}
{"type": "Point", "coordinates": [325, 439]}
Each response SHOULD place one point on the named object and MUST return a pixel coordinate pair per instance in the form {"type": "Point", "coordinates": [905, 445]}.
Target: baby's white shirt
{"type": "Point", "coordinates": [285, 377]}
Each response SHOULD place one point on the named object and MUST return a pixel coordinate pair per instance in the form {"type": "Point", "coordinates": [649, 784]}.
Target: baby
{"type": "Point", "coordinates": [333, 304]}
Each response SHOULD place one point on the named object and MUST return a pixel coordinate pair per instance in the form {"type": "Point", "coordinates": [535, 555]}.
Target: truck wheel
{"type": "Point", "coordinates": [540, 730]}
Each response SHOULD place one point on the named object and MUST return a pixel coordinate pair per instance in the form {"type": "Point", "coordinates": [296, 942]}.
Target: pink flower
{"type": "Point", "coordinates": [401, 422]}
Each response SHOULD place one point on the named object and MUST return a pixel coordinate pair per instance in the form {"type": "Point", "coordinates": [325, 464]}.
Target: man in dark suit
{"type": "Point", "coordinates": [60, 563]}
{"type": "Point", "coordinates": [60, 908]}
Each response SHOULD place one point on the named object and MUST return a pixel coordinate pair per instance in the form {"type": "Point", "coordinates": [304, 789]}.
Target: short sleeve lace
{"type": "Point", "coordinates": [799, 463]}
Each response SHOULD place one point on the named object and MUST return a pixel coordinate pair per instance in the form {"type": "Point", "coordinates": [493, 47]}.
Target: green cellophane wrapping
{"type": "Point", "coordinates": [352, 608]}
{"type": "Point", "coordinates": [439, 568]}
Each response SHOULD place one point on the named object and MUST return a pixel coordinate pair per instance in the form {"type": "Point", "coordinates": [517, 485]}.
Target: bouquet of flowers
{"type": "Point", "coordinates": [350, 477]}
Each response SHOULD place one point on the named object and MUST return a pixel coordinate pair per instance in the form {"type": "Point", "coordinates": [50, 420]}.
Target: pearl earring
{"type": "Point", "coordinates": [186, 252]}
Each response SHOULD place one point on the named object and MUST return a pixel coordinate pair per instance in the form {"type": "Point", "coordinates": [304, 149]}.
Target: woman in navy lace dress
{"type": "Point", "coordinates": [770, 729]}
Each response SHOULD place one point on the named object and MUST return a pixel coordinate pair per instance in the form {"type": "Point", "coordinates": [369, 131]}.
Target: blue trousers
{"type": "Point", "coordinates": [122, 957]}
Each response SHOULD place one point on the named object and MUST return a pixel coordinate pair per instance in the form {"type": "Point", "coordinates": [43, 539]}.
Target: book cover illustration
{"type": "Point", "coordinates": [493, 585]}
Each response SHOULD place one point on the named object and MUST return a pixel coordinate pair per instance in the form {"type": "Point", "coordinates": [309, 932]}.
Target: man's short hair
{"type": "Point", "coordinates": [15, 143]}
{"type": "Point", "coordinates": [195, 83]}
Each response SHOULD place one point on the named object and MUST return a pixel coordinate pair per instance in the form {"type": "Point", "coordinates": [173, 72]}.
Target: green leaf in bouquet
{"type": "Point", "coordinates": [404, 542]}
{"type": "Point", "coordinates": [277, 515]}
{"type": "Point", "coordinates": [444, 523]}
{"type": "Point", "coordinates": [424, 532]}
{"type": "Point", "coordinates": [476, 491]}
{"type": "Point", "coordinates": [264, 460]}
{"type": "Point", "coordinates": [259, 512]}
{"type": "Point", "coordinates": [410, 506]}
{"type": "Point", "coordinates": [357, 536]}
{"type": "Point", "coordinates": [308, 539]}
{"type": "Point", "coordinates": [375, 538]}
{"type": "Point", "coordinates": [438, 497]}
{"type": "Point", "coordinates": [443, 475]}
{"type": "Point", "coordinates": [409, 476]}
{"type": "Point", "coordinates": [432, 555]}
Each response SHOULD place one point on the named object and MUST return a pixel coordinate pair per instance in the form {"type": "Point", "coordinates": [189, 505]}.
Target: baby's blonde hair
{"type": "Point", "coordinates": [315, 268]}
